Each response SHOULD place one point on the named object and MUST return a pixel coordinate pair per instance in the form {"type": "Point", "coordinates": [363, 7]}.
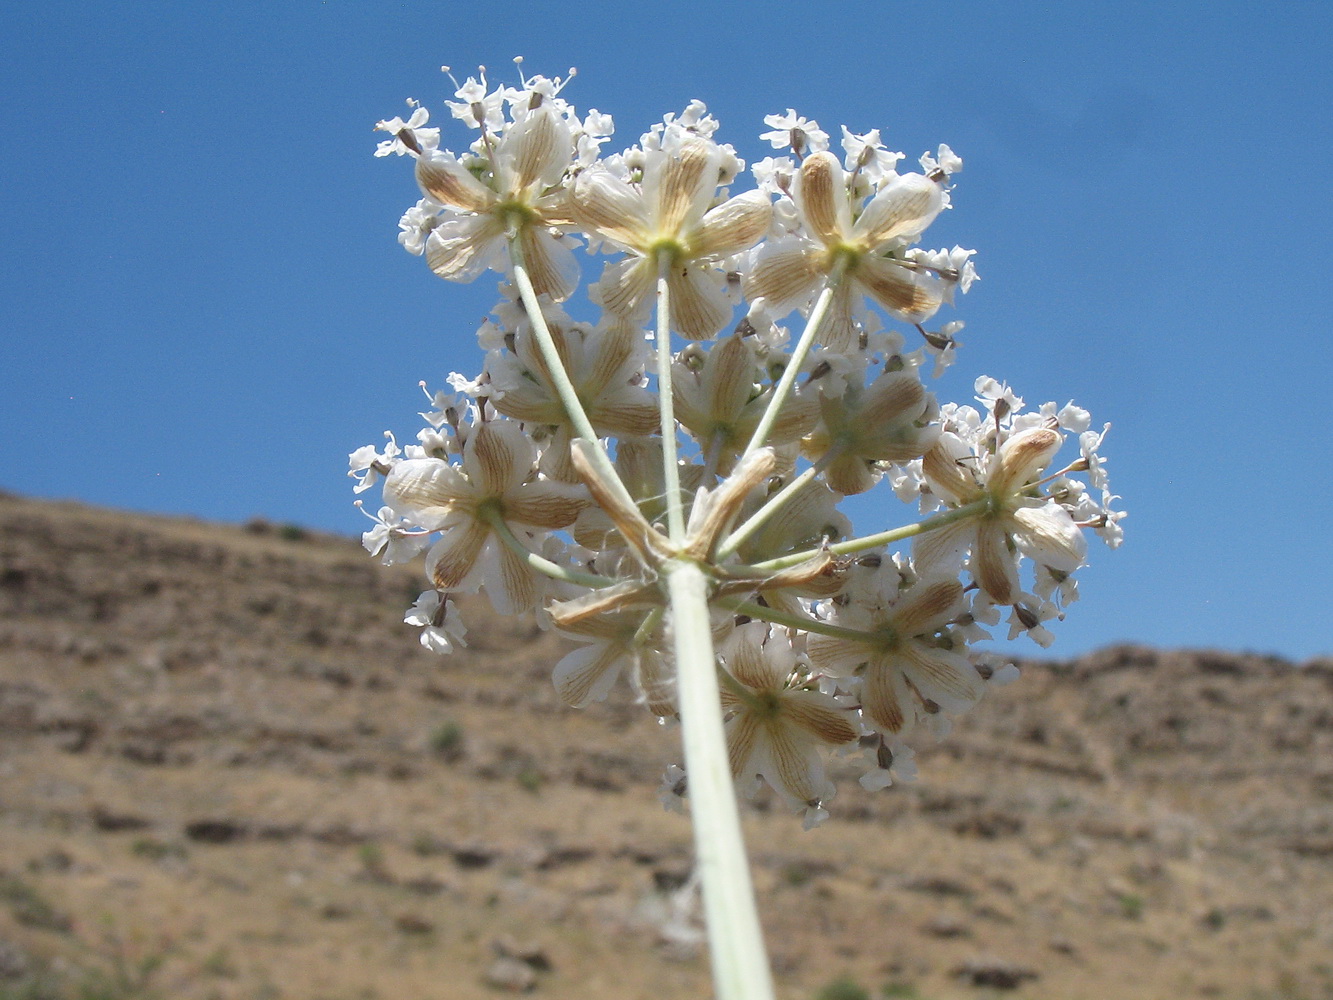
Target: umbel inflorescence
{"type": "Point", "coordinates": [590, 459]}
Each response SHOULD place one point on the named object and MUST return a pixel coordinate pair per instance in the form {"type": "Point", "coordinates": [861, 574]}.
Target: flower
{"type": "Point", "coordinates": [909, 664]}
{"type": "Point", "coordinates": [667, 222]}
{"type": "Point", "coordinates": [787, 272]}
{"type": "Point", "coordinates": [475, 505]}
{"type": "Point", "coordinates": [520, 190]}
{"type": "Point", "coordinates": [777, 724]}
{"type": "Point", "coordinates": [1015, 518]}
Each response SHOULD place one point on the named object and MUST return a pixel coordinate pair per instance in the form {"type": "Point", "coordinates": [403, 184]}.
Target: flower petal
{"type": "Point", "coordinates": [927, 607]}
{"type": "Point", "coordinates": [1048, 535]}
{"type": "Point", "coordinates": [679, 186]}
{"type": "Point", "coordinates": [945, 677]}
{"type": "Point", "coordinates": [904, 206]}
{"type": "Point", "coordinates": [512, 586]}
{"type": "Point", "coordinates": [821, 195]}
{"type": "Point", "coordinates": [820, 716]}
{"type": "Point", "coordinates": [459, 249]}
{"type": "Point", "coordinates": [428, 490]}
{"type": "Point", "coordinates": [448, 182]}
{"type": "Point", "coordinates": [1021, 459]}
{"type": "Point", "coordinates": [993, 566]}
{"type": "Point", "coordinates": [546, 504]}
{"type": "Point", "coordinates": [883, 699]}
{"type": "Point", "coordinates": [699, 303]}
{"type": "Point", "coordinates": [626, 288]}
{"type": "Point", "coordinates": [587, 674]}
{"type": "Point", "coordinates": [784, 274]}
{"type": "Point", "coordinates": [451, 561]}
{"type": "Point", "coordinates": [551, 266]}
{"type": "Point", "coordinates": [909, 295]}
{"type": "Point", "coordinates": [497, 457]}
{"type": "Point", "coordinates": [735, 225]}
{"type": "Point", "coordinates": [611, 208]}
{"type": "Point", "coordinates": [536, 151]}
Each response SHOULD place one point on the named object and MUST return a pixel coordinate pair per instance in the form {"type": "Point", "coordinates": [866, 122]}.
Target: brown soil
{"type": "Point", "coordinates": [227, 770]}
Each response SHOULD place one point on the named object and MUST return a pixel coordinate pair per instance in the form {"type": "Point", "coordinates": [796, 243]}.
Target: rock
{"type": "Point", "coordinates": [996, 972]}
{"type": "Point", "coordinates": [511, 974]}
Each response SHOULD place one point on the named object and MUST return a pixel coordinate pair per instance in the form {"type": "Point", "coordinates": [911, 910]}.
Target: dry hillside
{"type": "Point", "coordinates": [227, 770]}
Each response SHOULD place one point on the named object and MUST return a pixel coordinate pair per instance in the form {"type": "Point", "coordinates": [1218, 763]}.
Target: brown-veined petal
{"type": "Point", "coordinates": [699, 303]}
{"type": "Point", "coordinates": [839, 331]}
{"type": "Point", "coordinates": [911, 296]}
{"type": "Point", "coordinates": [447, 181]}
{"type": "Point", "coordinates": [943, 548]}
{"type": "Point", "coordinates": [945, 677]}
{"type": "Point", "coordinates": [927, 607]}
{"type": "Point", "coordinates": [735, 225]}
{"type": "Point", "coordinates": [742, 734]}
{"type": "Point", "coordinates": [546, 504]}
{"type": "Point", "coordinates": [586, 674]}
{"type": "Point", "coordinates": [679, 186]}
{"type": "Point", "coordinates": [749, 665]}
{"type": "Point", "coordinates": [428, 489]}
{"type": "Point", "coordinates": [451, 561]}
{"type": "Point", "coordinates": [535, 151]}
{"type": "Point", "coordinates": [512, 586]}
{"type": "Point", "coordinates": [459, 249]}
{"type": "Point", "coordinates": [949, 469]}
{"type": "Point", "coordinates": [821, 195]}
{"type": "Point", "coordinates": [796, 768]}
{"type": "Point", "coordinates": [885, 699]}
{"type": "Point", "coordinates": [820, 716]}
{"type": "Point", "coordinates": [836, 656]}
{"type": "Point", "coordinates": [551, 266]}
{"type": "Point", "coordinates": [904, 206]}
{"type": "Point", "coordinates": [497, 457]}
{"type": "Point", "coordinates": [993, 565]}
{"type": "Point", "coordinates": [1021, 459]}
{"type": "Point", "coordinates": [850, 474]}
{"type": "Point", "coordinates": [785, 274]}
{"type": "Point", "coordinates": [1049, 535]}
{"type": "Point", "coordinates": [626, 288]}
{"type": "Point", "coordinates": [611, 208]}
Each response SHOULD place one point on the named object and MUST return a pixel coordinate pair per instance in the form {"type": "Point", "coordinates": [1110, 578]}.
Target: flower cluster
{"type": "Point", "coordinates": [687, 423]}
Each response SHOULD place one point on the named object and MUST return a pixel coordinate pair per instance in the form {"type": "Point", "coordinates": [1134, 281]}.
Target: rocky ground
{"type": "Point", "coordinates": [227, 770]}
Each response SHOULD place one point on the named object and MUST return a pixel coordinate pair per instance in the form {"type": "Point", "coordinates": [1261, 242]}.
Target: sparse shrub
{"type": "Point", "coordinates": [530, 779]}
{"type": "Point", "coordinates": [845, 988]}
{"type": "Point", "coordinates": [448, 742]}
{"type": "Point", "coordinates": [1131, 906]}
{"type": "Point", "coordinates": [292, 533]}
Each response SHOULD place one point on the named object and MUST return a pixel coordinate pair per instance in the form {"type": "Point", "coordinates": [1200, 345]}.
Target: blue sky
{"type": "Point", "coordinates": [203, 307]}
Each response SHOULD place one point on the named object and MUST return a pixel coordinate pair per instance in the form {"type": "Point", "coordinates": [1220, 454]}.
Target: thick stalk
{"type": "Point", "coordinates": [670, 460]}
{"type": "Point", "coordinates": [740, 964]}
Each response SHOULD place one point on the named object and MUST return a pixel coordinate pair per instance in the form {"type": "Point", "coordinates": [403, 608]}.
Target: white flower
{"type": "Point", "coordinates": [442, 626]}
{"type": "Point", "coordinates": [417, 140]}
{"type": "Point", "coordinates": [786, 273]}
{"type": "Point", "coordinates": [791, 131]}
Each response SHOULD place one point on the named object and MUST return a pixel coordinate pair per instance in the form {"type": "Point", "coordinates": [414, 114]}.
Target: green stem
{"type": "Point", "coordinates": [740, 964]}
{"type": "Point", "coordinates": [540, 563]}
{"type": "Point", "coordinates": [762, 612]}
{"type": "Point", "coordinates": [772, 505]}
{"type": "Point", "coordinates": [803, 345]}
{"type": "Point", "coordinates": [870, 541]}
{"type": "Point", "coordinates": [569, 397]}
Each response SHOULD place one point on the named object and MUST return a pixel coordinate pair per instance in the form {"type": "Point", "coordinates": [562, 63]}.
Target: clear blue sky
{"type": "Point", "coordinates": [203, 307]}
